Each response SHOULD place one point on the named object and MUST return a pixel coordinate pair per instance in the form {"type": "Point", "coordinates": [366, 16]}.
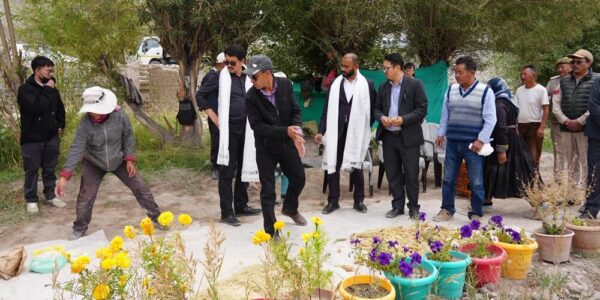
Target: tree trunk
{"type": "Point", "coordinates": [190, 135]}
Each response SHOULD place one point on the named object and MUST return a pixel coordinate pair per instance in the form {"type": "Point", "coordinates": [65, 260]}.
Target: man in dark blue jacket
{"type": "Point", "coordinates": [42, 120]}
{"type": "Point", "coordinates": [592, 131]}
{"type": "Point", "coordinates": [207, 98]}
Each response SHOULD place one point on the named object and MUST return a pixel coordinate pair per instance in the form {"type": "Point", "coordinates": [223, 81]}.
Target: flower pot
{"type": "Point", "coordinates": [366, 279]}
{"type": "Point", "coordinates": [587, 238]}
{"type": "Point", "coordinates": [554, 248]}
{"type": "Point", "coordinates": [518, 259]}
{"type": "Point", "coordinates": [414, 288]}
{"type": "Point", "coordinates": [486, 270]}
{"type": "Point", "coordinates": [321, 294]}
{"type": "Point", "coordinates": [451, 279]}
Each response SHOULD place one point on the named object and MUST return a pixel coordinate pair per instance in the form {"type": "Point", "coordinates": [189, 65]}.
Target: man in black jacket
{"type": "Point", "coordinates": [42, 120]}
{"type": "Point", "coordinates": [592, 131]}
{"type": "Point", "coordinates": [274, 115]}
{"type": "Point", "coordinates": [400, 108]}
{"type": "Point", "coordinates": [207, 100]}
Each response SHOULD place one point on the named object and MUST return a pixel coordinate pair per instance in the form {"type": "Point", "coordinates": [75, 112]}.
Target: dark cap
{"type": "Point", "coordinates": [258, 63]}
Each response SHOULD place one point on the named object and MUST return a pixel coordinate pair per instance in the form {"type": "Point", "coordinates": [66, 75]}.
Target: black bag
{"type": "Point", "coordinates": [186, 114]}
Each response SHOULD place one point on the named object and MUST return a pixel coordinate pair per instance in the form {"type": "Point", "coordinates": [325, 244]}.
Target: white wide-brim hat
{"type": "Point", "coordinates": [99, 101]}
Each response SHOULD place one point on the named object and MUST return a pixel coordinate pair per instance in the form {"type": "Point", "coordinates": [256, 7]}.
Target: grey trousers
{"type": "Point", "coordinates": [91, 176]}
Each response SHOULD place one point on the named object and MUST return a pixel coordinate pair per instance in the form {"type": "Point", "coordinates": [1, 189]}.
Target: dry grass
{"type": "Point", "coordinates": [213, 259]}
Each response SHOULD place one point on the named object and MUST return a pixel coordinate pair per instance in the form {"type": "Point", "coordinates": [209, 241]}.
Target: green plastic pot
{"type": "Point", "coordinates": [414, 289]}
{"type": "Point", "coordinates": [451, 279]}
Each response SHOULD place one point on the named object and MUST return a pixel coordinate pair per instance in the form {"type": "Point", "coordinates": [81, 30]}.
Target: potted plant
{"type": "Point", "coordinates": [411, 276]}
{"type": "Point", "coordinates": [550, 201]}
{"type": "Point", "coordinates": [487, 258]}
{"type": "Point", "coordinates": [294, 272]}
{"type": "Point", "coordinates": [451, 264]}
{"type": "Point", "coordinates": [519, 248]}
{"type": "Point", "coordinates": [587, 235]}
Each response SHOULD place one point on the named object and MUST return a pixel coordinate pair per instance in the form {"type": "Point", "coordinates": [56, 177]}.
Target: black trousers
{"type": "Point", "coordinates": [592, 203]}
{"type": "Point", "coordinates": [238, 195]}
{"type": "Point", "coordinates": [356, 176]}
{"type": "Point", "coordinates": [402, 170]}
{"type": "Point", "coordinates": [214, 142]}
{"type": "Point", "coordinates": [292, 167]}
{"type": "Point", "coordinates": [36, 156]}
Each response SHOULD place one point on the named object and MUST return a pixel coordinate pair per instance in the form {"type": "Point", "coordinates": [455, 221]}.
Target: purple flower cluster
{"type": "Point", "coordinates": [475, 224]}
{"type": "Point", "coordinates": [497, 220]}
{"type": "Point", "coordinates": [373, 255]}
{"type": "Point", "coordinates": [422, 216]}
{"type": "Point", "coordinates": [393, 244]}
{"type": "Point", "coordinates": [376, 240]}
{"type": "Point", "coordinates": [405, 249]}
{"type": "Point", "coordinates": [514, 235]}
{"type": "Point", "coordinates": [384, 258]}
{"type": "Point", "coordinates": [355, 242]}
{"type": "Point", "coordinates": [405, 268]}
{"type": "Point", "coordinates": [415, 258]}
{"type": "Point", "coordinates": [466, 231]}
{"type": "Point", "coordinates": [436, 246]}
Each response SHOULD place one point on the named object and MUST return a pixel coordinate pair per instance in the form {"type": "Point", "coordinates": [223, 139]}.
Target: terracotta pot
{"type": "Point", "coordinates": [366, 279]}
{"type": "Point", "coordinates": [587, 238]}
{"type": "Point", "coordinates": [319, 294]}
{"type": "Point", "coordinates": [554, 248]}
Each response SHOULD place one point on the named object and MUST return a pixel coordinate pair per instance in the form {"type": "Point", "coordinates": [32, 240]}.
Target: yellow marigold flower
{"type": "Point", "coordinates": [184, 219]}
{"type": "Point", "coordinates": [101, 292]}
{"type": "Point", "coordinates": [107, 263]}
{"type": "Point", "coordinates": [301, 251]}
{"type": "Point", "coordinates": [165, 218]}
{"type": "Point", "coordinates": [316, 234]}
{"type": "Point", "coordinates": [84, 259]}
{"type": "Point", "coordinates": [147, 226]}
{"type": "Point", "coordinates": [316, 220]}
{"type": "Point", "coordinates": [103, 253]}
{"type": "Point", "coordinates": [154, 250]}
{"type": "Point", "coordinates": [129, 232]}
{"type": "Point", "coordinates": [77, 267]}
{"type": "Point", "coordinates": [122, 260]}
{"type": "Point", "coordinates": [122, 279]}
{"type": "Point", "coordinates": [260, 237]}
{"type": "Point", "coordinates": [279, 225]}
{"type": "Point", "coordinates": [306, 237]}
{"type": "Point", "coordinates": [116, 244]}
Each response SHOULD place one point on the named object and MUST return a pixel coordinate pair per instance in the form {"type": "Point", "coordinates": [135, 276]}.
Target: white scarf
{"type": "Point", "coordinates": [249, 167]}
{"type": "Point", "coordinates": [359, 133]}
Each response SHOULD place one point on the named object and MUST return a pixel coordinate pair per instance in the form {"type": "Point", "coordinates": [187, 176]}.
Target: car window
{"type": "Point", "coordinates": [151, 43]}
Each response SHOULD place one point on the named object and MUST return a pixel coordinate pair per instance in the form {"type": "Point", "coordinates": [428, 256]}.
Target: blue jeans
{"type": "Point", "coordinates": [455, 153]}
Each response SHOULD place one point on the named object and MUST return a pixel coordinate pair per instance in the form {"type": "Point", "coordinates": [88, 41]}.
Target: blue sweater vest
{"type": "Point", "coordinates": [465, 119]}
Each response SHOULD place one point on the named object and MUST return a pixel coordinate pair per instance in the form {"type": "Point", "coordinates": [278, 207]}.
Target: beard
{"type": "Point", "coordinates": [348, 74]}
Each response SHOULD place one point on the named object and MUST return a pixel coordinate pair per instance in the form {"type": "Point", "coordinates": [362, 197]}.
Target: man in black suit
{"type": "Point", "coordinates": [274, 115]}
{"type": "Point", "coordinates": [400, 108]}
{"type": "Point", "coordinates": [348, 84]}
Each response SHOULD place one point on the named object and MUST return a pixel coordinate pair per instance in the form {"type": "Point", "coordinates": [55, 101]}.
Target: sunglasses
{"type": "Point", "coordinates": [578, 62]}
{"type": "Point", "coordinates": [255, 76]}
{"type": "Point", "coordinates": [231, 63]}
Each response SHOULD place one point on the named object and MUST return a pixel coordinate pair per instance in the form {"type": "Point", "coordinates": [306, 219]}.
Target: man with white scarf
{"type": "Point", "coordinates": [400, 108]}
{"type": "Point", "coordinates": [235, 149]}
{"type": "Point", "coordinates": [346, 131]}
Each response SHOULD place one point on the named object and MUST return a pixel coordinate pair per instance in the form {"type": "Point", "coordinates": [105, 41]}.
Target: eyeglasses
{"type": "Point", "coordinates": [231, 63]}
{"type": "Point", "coordinates": [255, 76]}
{"type": "Point", "coordinates": [385, 69]}
{"type": "Point", "coordinates": [578, 62]}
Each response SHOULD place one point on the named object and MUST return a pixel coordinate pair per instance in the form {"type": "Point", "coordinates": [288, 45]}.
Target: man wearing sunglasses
{"type": "Point", "coordinates": [233, 85]}
{"type": "Point", "coordinates": [275, 118]}
{"type": "Point", "coordinates": [570, 106]}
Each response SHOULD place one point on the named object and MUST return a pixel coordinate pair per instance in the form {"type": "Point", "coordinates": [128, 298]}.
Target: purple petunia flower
{"type": "Point", "coordinates": [475, 224]}
{"type": "Point", "coordinates": [415, 258]}
{"type": "Point", "coordinates": [436, 246]}
{"type": "Point", "coordinates": [405, 268]}
{"type": "Point", "coordinates": [393, 244]}
{"type": "Point", "coordinates": [497, 219]}
{"type": "Point", "coordinates": [465, 231]}
{"type": "Point", "coordinates": [405, 249]}
{"type": "Point", "coordinates": [417, 235]}
{"type": "Point", "coordinates": [376, 240]}
{"type": "Point", "coordinates": [516, 236]}
{"type": "Point", "coordinates": [384, 258]}
{"type": "Point", "coordinates": [373, 255]}
{"type": "Point", "coordinates": [422, 216]}
{"type": "Point", "coordinates": [484, 228]}
{"type": "Point", "coordinates": [355, 242]}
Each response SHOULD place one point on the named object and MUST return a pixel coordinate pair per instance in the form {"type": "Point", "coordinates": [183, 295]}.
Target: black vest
{"type": "Point", "coordinates": [575, 97]}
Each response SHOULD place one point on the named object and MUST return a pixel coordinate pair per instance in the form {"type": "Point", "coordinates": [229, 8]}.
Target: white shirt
{"type": "Point", "coordinates": [349, 88]}
{"type": "Point", "coordinates": [530, 103]}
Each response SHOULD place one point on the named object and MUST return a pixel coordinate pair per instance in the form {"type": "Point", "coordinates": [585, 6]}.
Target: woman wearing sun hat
{"type": "Point", "coordinates": [104, 141]}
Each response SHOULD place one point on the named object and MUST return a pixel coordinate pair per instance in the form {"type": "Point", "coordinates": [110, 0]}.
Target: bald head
{"type": "Point", "coordinates": [353, 58]}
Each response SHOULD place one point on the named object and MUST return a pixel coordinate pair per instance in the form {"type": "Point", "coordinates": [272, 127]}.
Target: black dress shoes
{"type": "Point", "coordinates": [247, 211]}
{"type": "Point", "coordinates": [413, 214]}
{"type": "Point", "coordinates": [231, 220]}
{"type": "Point", "coordinates": [360, 207]}
{"type": "Point", "coordinates": [330, 207]}
{"type": "Point", "coordinates": [394, 212]}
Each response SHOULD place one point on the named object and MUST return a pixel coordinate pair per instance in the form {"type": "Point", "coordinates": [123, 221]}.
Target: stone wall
{"type": "Point", "coordinates": [157, 85]}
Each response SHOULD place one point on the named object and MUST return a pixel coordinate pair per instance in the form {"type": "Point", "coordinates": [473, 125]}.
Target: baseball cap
{"type": "Point", "coordinates": [564, 60]}
{"type": "Point", "coordinates": [582, 53]}
{"type": "Point", "coordinates": [258, 63]}
{"type": "Point", "coordinates": [221, 58]}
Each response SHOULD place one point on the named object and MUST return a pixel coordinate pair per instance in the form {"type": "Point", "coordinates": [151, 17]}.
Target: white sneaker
{"type": "Point", "coordinates": [32, 208]}
{"type": "Point", "coordinates": [57, 203]}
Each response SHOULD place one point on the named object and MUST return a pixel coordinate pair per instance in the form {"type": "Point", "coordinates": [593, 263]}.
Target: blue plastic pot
{"type": "Point", "coordinates": [414, 289]}
{"type": "Point", "coordinates": [451, 279]}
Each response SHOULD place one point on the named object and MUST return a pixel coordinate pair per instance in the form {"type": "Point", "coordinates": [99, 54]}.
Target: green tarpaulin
{"type": "Point", "coordinates": [435, 81]}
